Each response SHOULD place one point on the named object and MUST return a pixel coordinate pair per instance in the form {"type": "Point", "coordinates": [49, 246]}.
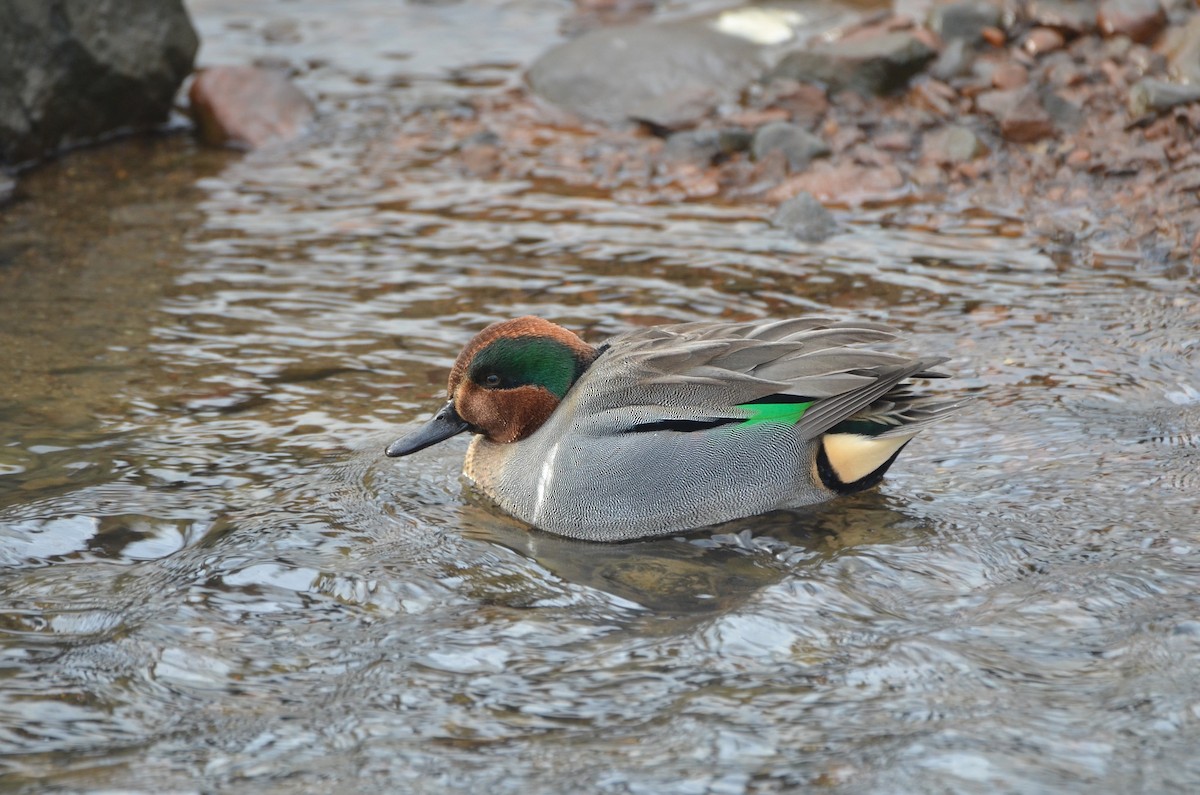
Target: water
{"type": "Point", "coordinates": [213, 581]}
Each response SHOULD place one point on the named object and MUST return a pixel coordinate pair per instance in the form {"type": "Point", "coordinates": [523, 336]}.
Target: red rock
{"type": "Point", "coordinates": [247, 107]}
{"type": "Point", "coordinates": [1079, 157]}
{"type": "Point", "coordinates": [1140, 20]}
{"type": "Point", "coordinates": [1040, 41]}
{"type": "Point", "coordinates": [994, 36]}
{"type": "Point", "coordinates": [1026, 119]}
{"type": "Point", "coordinates": [1009, 75]}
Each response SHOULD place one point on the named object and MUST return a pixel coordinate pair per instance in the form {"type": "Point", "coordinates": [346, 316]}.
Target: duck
{"type": "Point", "coordinates": [666, 429]}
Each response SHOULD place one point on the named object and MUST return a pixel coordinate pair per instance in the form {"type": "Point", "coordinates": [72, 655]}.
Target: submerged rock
{"type": "Point", "coordinates": [805, 218]}
{"type": "Point", "coordinates": [798, 145]}
{"type": "Point", "coordinates": [73, 71]}
{"type": "Point", "coordinates": [878, 63]}
{"type": "Point", "coordinates": [247, 107]}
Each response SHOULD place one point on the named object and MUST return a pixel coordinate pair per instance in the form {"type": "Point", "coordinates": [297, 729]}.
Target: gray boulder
{"type": "Point", "coordinates": [674, 73]}
{"type": "Point", "coordinates": [73, 71]}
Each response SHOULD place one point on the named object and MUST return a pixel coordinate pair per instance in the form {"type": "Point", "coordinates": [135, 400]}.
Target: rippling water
{"type": "Point", "coordinates": [212, 580]}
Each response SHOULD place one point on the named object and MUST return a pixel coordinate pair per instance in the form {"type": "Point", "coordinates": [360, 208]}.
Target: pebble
{"type": "Point", "coordinates": [953, 144]}
{"type": "Point", "coordinates": [1149, 95]}
{"type": "Point", "coordinates": [964, 20]}
{"type": "Point", "coordinates": [1040, 41]}
{"type": "Point", "coordinates": [995, 37]}
{"type": "Point", "coordinates": [805, 218]}
{"type": "Point", "coordinates": [1073, 17]}
{"type": "Point", "coordinates": [1009, 75]}
{"type": "Point", "coordinates": [1025, 120]}
{"type": "Point", "coordinates": [1079, 157]}
{"type": "Point", "coordinates": [878, 63]}
{"type": "Point", "coordinates": [798, 145]}
{"type": "Point", "coordinates": [247, 107]}
{"type": "Point", "coordinates": [1140, 20]}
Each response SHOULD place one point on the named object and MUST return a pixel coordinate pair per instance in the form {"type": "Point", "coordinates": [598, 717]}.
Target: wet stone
{"type": "Point", "coordinates": [964, 21]}
{"type": "Point", "coordinates": [798, 145]}
{"type": "Point", "coordinates": [805, 218]}
{"type": "Point", "coordinates": [247, 107]}
{"type": "Point", "coordinates": [1150, 95]}
{"type": "Point", "coordinates": [1140, 20]}
{"type": "Point", "coordinates": [874, 64]}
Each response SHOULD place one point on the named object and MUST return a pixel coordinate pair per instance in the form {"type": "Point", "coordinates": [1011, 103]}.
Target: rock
{"type": "Point", "coordinates": [805, 104]}
{"type": "Point", "coordinates": [670, 74]}
{"type": "Point", "coordinates": [964, 20]}
{"type": "Point", "coordinates": [1140, 20]}
{"type": "Point", "coordinates": [953, 144]}
{"type": "Point", "coordinates": [1030, 113]}
{"type": "Point", "coordinates": [246, 107]}
{"type": "Point", "coordinates": [798, 145]}
{"type": "Point", "coordinates": [1150, 95]}
{"type": "Point", "coordinates": [1009, 74]}
{"type": "Point", "coordinates": [705, 146]}
{"type": "Point", "coordinates": [875, 64]}
{"type": "Point", "coordinates": [1070, 17]}
{"type": "Point", "coordinates": [955, 60]}
{"type": "Point", "coordinates": [74, 71]}
{"type": "Point", "coordinates": [1066, 115]}
{"type": "Point", "coordinates": [8, 186]}
{"type": "Point", "coordinates": [995, 36]}
{"type": "Point", "coordinates": [1182, 49]}
{"type": "Point", "coordinates": [1022, 117]}
{"type": "Point", "coordinates": [1040, 41]}
{"type": "Point", "coordinates": [805, 218]}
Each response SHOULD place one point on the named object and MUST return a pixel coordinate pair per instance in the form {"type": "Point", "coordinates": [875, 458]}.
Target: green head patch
{"type": "Point", "coordinates": [510, 362]}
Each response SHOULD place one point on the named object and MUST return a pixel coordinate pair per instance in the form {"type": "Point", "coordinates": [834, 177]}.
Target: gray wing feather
{"type": "Point", "coordinates": [693, 369]}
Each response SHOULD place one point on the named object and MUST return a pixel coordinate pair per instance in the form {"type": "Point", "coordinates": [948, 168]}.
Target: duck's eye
{"type": "Point", "coordinates": [492, 380]}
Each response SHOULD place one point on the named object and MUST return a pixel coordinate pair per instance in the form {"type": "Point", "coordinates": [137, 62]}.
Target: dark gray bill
{"type": "Point", "coordinates": [445, 423]}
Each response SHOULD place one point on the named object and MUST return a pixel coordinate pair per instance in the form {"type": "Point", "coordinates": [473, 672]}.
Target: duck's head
{"type": "Point", "coordinates": [505, 384]}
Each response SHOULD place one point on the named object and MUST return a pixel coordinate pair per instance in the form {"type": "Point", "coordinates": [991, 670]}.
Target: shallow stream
{"type": "Point", "coordinates": [212, 580]}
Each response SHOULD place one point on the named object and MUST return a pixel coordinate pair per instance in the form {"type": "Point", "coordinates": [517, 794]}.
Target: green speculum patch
{"type": "Point", "coordinates": [784, 413]}
{"type": "Point", "coordinates": [527, 361]}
